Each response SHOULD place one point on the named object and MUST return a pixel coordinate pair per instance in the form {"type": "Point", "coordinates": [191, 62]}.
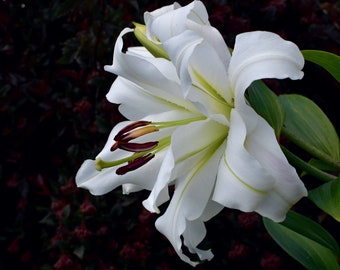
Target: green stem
{"type": "Point", "coordinates": [311, 149]}
{"type": "Point", "coordinates": [309, 169]}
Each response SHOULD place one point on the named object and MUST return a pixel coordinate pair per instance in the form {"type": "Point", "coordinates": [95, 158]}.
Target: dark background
{"type": "Point", "coordinates": [54, 114]}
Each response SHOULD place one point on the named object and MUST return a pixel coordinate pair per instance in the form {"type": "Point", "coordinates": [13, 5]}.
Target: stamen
{"type": "Point", "coordinates": [136, 133]}
{"type": "Point", "coordinates": [135, 164]}
{"type": "Point", "coordinates": [114, 147]}
{"type": "Point", "coordinates": [130, 127]}
{"type": "Point", "coordinates": [139, 158]}
{"type": "Point", "coordinates": [136, 147]}
{"type": "Point", "coordinates": [143, 152]}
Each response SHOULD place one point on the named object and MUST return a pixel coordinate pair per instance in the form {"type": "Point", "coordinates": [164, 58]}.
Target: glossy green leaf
{"type": "Point", "coordinates": [306, 241]}
{"type": "Point", "coordinates": [327, 198]}
{"type": "Point", "coordinates": [321, 165]}
{"type": "Point", "coordinates": [306, 122]}
{"type": "Point", "coordinates": [329, 61]}
{"type": "Point", "coordinates": [266, 103]}
{"type": "Point", "coordinates": [155, 49]}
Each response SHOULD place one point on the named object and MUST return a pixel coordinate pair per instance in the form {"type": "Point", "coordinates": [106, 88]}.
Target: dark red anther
{"type": "Point", "coordinates": [114, 146]}
{"type": "Point", "coordinates": [136, 133]}
{"type": "Point", "coordinates": [130, 127]}
{"type": "Point", "coordinates": [136, 147]}
{"type": "Point", "coordinates": [135, 164]}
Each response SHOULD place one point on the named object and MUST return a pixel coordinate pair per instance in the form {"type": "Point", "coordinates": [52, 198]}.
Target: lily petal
{"type": "Point", "coordinates": [261, 54]}
{"type": "Point", "coordinates": [196, 231]}
{"type": "Point", "coordinates": [170, 21]}
{"type": "Point", "coordinates": [160, 192]}
{"type": "Point", "coordinates": [185, 152]}
{"type": "Point", "coordinates": [136, 67]}
{"type": "Point", "coordinates": [209, 80]}
{"type": "Point", "coordinates": [201, 58]}
{"type": "Point", "coordinates": [211, 35]}
{"type": "Point", "coordinates": [245, 179]}
{"type": "Point", "coordinates": [187, 205]}
{"type": "Point", "coordinates": [102, 182]}
{"type": "Point", "coordinates": [137, 103]}
{"type": "Point", "coordinates": [261, 143]}
{"type": "Point", "coordinates": [194, 181]}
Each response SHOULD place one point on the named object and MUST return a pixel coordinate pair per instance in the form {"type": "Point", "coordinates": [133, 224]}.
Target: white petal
{"type": "Point", "coordinates": [170, 21]}
{"type": "Point", "coordinates": [163, 86]}
{"type": "Point", "coordinates": [188, 145]}
{"type": "Point", "coordinates": [197, 57]}
{"type": "Point", "coordinates": [160, 193]}
{"type": "Point", "coordinates": [150, 17]}
{"type": "Point", "coordinates": [137, 102]}
{"type": "Point", "coordinates": [288, 189]}
{"type": "Point", "coordinates": [101, 182]}
{"type": "Point", "coordinates": [209, 84]}
{"type": "Point", "coordinates": [194, 234]}
{"type": "Point", "coordinates": [136, 64]}
{"type": "Point", "coordinates": [196, 231]}
{"type": "Point", "coordinates": [246, 180]}
{"type": "Point", "coordinates": [104, 181]}
{"type": "Point", "coordinates": [139, 51]}
{"type": "Point", "coordinates": [191, 141]}
{"type": "Point", "coordinates": [190, 198]}
{"type": "Point", "coordinates": [129, 188]}
{"type": "Point", "coordinates": [179, 49]}
{"type": "Point", "coordinates": [195, 174]}
{"type": "Point", "coordinates": [214, 38]}
{"type": "Point", "coordinates": [241, 180]}
{"type": "Point", "coordinates": [259, 55]}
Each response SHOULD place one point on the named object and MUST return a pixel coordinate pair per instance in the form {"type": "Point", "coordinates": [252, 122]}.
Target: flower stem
{"type": "Point", "coordinates": [309, 169]}
{"type": "Point", "coordinates": [311, 149]}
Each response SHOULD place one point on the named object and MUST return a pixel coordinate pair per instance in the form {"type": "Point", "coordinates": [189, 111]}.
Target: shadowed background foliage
{"type": "Point", "coordinates": [54, 114]}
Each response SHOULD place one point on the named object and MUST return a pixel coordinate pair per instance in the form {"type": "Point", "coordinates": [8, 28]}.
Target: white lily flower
{"type": "Point", "coordinates": [190, 126]}
{"type": "Point", "coordinates": [172, 20]}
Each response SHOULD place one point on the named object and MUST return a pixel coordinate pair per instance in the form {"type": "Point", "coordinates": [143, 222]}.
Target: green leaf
{"type": "Point", "coordinates": [310, 168]}
{"type": "Point", "coordinates": [306, 241]}
{"type": "Point", "coordinates": [327, 198]}
{"type": "Point", "coordinates": [309, 125]}
{"type": "Point", "coordinates": [321, 165]}
{"type": "Point", "coordinates": [266, 104]}
{"type": "Point", "coordinates": [155, 49]}
{"type": "Point", "coordinates": [329, 61]}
